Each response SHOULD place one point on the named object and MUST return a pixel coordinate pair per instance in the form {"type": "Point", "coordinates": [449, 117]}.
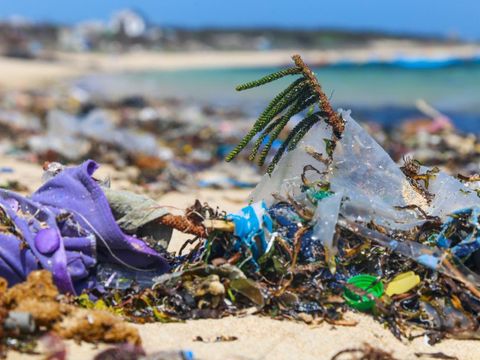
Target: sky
{"type": "Point", "coordinates": [435, 17]}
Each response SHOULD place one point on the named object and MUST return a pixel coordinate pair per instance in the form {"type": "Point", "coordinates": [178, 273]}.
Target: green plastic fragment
{"type": "Point", "coordinates": [317, 195]}
{"type": "Point", "coordinates": [320, 195]}
{"type": "Point", "coordinates": [365, 282]}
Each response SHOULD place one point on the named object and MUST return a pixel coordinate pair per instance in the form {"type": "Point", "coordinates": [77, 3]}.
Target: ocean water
{"type": "Point", "coordinates": [380, 93]}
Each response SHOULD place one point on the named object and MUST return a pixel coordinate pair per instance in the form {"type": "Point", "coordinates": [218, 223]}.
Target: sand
{"type": "Point", "coordinates": [19, 73]}
{"type": "Point", "coordinates": [258, 337]}
{"type": "Point", "coordinates": [261, 338]}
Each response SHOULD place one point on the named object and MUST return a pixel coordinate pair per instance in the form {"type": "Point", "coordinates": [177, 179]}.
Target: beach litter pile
{"type": "Point", "coordinates": [161, 145]}
{"type": "Point", "coordinates": [334, 225]}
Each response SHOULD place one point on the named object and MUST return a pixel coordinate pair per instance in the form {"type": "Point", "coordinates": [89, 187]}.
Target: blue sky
{"type": "Point", "coordinates": [414, 16]}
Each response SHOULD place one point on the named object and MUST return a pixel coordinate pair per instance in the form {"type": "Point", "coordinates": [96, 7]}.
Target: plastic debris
{"type": "Point", "coordinates": [339, 202]}
{"type": "Point", "coordinates": [21, 322]}
{"type": "Point", "coordinates": [325, 218]}
{"type": "Point", "coordinates": [66, 227]}
{"type": "Point", "coordinates": [251, 225]}
{"type": "Point", "coordinates": [372, 186]}
{"type": "Point", "coordinates": [460, 234]}
{"type": "Point", "coordinates": [372, 287]}
{"type": "Point", "coordinates": [402, 283]}
{"type": "Point", "coordinates": [336, 208]}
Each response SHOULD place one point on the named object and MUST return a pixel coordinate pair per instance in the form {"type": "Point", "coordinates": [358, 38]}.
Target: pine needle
{"type": "Point", "coordinates": [269, 78]}
{"type": "Point", "coordinates": [298, 96]}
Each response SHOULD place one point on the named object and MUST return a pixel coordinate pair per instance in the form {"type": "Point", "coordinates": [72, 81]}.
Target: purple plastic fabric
{"type": "Point", "coordinates": [66, 227]}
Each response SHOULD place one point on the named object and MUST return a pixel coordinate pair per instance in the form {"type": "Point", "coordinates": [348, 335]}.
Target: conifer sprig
{"type": "Point", "coordinates": [269, 78]}
{"type": "Point", "coordinates": [294, 137]}
{"type": "Point", "coordinates": [299, 95]}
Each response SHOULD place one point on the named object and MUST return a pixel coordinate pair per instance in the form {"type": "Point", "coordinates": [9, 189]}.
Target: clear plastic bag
{"type": "Point", "coordinates": [371, 185]}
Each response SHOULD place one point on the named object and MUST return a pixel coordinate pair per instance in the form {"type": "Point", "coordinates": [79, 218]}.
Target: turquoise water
{"type": "Point", "coordinates": [383, 89]}
{"type": "Point", "coordinates": [451, 89]}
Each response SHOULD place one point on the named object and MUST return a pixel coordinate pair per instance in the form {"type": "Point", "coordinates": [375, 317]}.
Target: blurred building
{"type": "Point", "coordinates": [129, 23]}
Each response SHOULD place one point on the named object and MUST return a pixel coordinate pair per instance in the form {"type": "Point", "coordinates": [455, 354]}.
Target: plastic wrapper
{"type": "Point", "coordinates": [325, 217]}
{"type": "Point", "coordinates": [371, 182]}
{"type": "Point", "coordinates": [371, 185]}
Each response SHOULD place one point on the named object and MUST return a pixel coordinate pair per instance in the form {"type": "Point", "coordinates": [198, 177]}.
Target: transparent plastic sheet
{"type": "Point", "coordinates": [373, 188]}
{"type": "Point", "coordinates": [450, 195]}
{"type": "Point", "coordinates": [115, 276]}
{"type": "Point", "coordinates": [325, 217]}
{"type": "Point", "coordinates": [371, 182]}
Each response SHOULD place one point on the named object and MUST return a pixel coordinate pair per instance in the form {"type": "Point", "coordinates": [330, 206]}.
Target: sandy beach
{"type": "Point", "coordinates": [262, 338]}
{"type": "Point", "coordinates": [19, 73]}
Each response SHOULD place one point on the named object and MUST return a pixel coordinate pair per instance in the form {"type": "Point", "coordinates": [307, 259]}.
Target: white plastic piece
{"type": "Point", "coordinates": [326, 216]}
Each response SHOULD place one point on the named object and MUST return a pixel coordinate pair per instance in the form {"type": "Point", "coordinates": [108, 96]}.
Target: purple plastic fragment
{"type": "Point", "coordinates": [47, 241]}
{"type": "Point", "coordinates": [67, 227]}
{"type": "Point", "coordinates": [12, 203]}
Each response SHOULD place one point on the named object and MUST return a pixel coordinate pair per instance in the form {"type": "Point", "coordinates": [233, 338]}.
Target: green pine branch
{"type": "Point", "coordinates": [302, 93]}
{"type": "Point", "coordinates": [269, 78]}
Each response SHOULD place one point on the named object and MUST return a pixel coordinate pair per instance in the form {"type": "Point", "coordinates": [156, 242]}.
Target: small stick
{"type": "Point", "coordinates": [333, 119]}
{"type": "Point", "coordinates": [186, 226]}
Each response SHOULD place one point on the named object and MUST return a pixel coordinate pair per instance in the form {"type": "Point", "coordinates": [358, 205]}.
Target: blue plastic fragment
{"type": "Point", "coordinates": [251, 223]}
{"type": "Point", "coordinates": [286, 218]}
{"type": "Point", "coordinates": [471, 242]}
{"type": "Point", "coordinates": [187, 355]}
{"type": "Point", "coordinates": [6, 170]}
{"type": "Point", "coordinates": [429, 261]}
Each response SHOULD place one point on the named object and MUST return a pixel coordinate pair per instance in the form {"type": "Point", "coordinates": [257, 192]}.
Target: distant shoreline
{"type": "Point", "coordinates": [19, 73]}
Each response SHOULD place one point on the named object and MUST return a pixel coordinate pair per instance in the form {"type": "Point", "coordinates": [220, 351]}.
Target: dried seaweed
{"type": "Point", "coordinates": [54, 313]}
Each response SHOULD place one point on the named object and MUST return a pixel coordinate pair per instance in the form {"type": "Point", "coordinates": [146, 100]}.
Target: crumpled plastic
{"type": "Point", "coordinates": [371, 184]}
{"type": "Point", "coordinates": [137, 214]}
{"type": "Point", "coordinates": [449, 238]}
{"type": "Point", "coordinates": [250, 226]}
{"type": "Point", "coordinates": [326, 216]}
{"type": "Point", "coordinates": [71, 136]}
{"type": "Point", "coordinates": [66, 227]}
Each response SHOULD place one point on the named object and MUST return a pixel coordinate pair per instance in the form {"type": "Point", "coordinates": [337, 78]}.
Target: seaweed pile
{"type": "Point", "coordinates": [35, 310]}
{"type": "Point", "coordinates": [289, 278]}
